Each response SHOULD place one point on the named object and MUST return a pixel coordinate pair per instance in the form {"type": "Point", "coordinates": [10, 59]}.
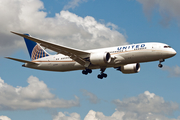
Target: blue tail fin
{"type": "Point", "coordinates": [34, 49]}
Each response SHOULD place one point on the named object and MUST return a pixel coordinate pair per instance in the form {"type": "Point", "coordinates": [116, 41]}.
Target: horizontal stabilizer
{"type": "Point", "coordinates": [23, 61]}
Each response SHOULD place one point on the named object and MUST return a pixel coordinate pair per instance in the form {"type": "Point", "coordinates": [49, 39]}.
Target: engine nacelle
{"type": "Point", "coordinates": [130, 68]}
{"type": "Point", "coordinates": [100, 58]}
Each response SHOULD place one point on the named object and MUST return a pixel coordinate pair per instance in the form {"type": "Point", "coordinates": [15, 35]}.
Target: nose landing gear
{"type": "Point", "coordinates": [160, 61]}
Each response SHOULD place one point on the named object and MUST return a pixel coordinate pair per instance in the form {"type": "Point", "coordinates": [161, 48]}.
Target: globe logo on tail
{"type": "Point", "coordinates": [38, 52]}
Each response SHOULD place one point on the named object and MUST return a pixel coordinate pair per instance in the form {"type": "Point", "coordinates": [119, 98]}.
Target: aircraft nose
{"type": "Point", "coordinates": [173, 52]}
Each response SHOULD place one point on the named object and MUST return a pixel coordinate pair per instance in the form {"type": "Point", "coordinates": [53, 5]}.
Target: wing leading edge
{"type": "Point", "coordinates": [77, 55]}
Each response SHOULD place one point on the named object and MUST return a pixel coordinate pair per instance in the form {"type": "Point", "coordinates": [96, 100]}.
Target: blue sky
{"type": "Point", "coordinates": [153, 93]}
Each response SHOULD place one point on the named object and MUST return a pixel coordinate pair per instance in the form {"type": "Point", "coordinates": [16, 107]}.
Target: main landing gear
{"type": "Point", "coordinates": [102, 74]}
{"type": "Point", "coordinates": [160, 61]}
{"type": "Point", "coordinates": [86, 71]}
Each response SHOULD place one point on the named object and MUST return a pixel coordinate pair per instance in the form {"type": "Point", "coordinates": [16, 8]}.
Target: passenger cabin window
{"type": "Point", "coordinates": [167, 47]}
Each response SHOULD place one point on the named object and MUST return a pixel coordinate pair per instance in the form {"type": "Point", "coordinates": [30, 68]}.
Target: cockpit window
{"type": "Point", "coordinates": [167, 47]}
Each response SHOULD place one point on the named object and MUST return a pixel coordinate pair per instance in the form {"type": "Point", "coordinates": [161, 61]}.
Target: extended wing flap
{"type": "Point", "coordinates": [23, 61]}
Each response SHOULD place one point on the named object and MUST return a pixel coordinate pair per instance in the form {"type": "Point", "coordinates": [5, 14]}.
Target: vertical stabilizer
{"type": "Point", "coordinates": [34, 49]}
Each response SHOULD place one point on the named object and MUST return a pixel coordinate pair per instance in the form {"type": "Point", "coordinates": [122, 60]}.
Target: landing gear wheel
{"type": "Point", "coordinates": [160, 65]}
{"type": "Point", "coordinates": [84, 72]}
{"type": "Point", "coordinates": [100, 76]}
{"type": "Point", "coordinates": [160, 61]}
{"type": "Point", "coordinates": [104, 75]}
{"type": "Point", "coordinates": [89, 70]}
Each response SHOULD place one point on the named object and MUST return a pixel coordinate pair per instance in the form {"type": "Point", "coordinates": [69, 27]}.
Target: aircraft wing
{"type": "Point", "coordinates": [20, 60]}
{"type": "Point", "coordinates": [77, 55]}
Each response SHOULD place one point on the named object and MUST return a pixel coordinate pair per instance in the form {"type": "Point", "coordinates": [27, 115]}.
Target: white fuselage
{"type": "Point", "coordinates": [120, 55]}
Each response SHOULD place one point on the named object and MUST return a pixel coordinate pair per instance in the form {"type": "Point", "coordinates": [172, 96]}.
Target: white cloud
{"type": "Point", "coordinates": [146, 103]}
{"type": "Point", "coordinates": [73, 3]}
{"type": "Point", "coordinates": [4, 118]}
{"type": "Point", "coordinates": [146, 106]}
{"type": "Point", "coordinates": [92, 115]}
{"type": "Point", "coordinates": [26, 16]}
{"type": "Point", "coordinates": [91, 97]}
{"type": "Point", "coordinates": [168, 9]}
{"type": "Point", "coordinates": [119, 115]}
{"type": "Point", "coordinates": [67, 116]}
{"type": "Point", "coordinates": [35, 95]}
{"type": "Point", "coordinates": [173, 71]}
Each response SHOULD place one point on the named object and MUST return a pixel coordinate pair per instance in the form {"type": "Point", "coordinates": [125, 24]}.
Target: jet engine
{"type": "Point", "coordinates": [100, 58]}
{"type": "Point", "coordinates": [130, 68]}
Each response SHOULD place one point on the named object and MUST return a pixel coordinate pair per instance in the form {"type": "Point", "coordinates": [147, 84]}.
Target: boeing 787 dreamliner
{"type": "Point", "coordinates": [126, 58]}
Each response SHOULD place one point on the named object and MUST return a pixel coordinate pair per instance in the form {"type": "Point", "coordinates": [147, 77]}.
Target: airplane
{"type": "Point", "coordinates": [126, 58]}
